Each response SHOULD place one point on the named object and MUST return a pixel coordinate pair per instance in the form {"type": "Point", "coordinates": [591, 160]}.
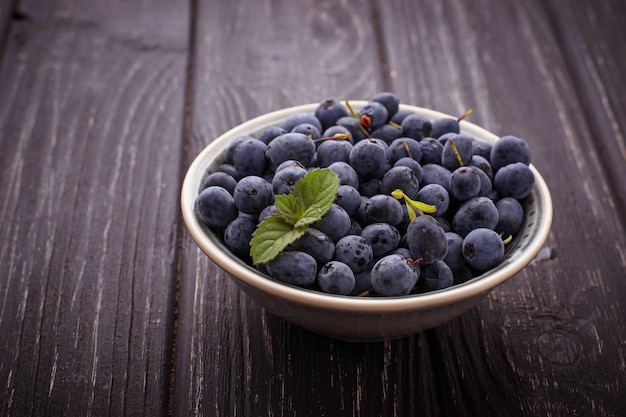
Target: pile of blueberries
{"type": "Point", "coordinates": [366, 244]}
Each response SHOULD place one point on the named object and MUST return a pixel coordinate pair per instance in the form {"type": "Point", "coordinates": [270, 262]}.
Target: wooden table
{"type": "Point", "coordinates": [107, 307]}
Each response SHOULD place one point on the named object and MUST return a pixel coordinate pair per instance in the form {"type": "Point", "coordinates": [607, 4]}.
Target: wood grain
{"type": "Point", "coordinates": [6, 14]}
{"type": "Point", "coordinates": [546, 328]}
{"type": "Point", "coordinates": [107, 307]}
{"type": "Point", "coordinates": [594, 45]}
{"type": "Point", "coordinates": [90, 119]}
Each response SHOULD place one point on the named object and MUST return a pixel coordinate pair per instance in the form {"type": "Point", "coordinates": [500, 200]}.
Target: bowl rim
{"type": "Point", "coordinates": [251, 277]}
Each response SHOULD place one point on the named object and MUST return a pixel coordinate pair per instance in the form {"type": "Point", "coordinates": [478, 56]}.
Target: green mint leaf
{"type": "Point", "coordinates": [317, 188]}
{"type": "Point", "coordinates": [310, 215]}
{"type": "Point", "coordinates": [271, 237]}
{"type": "Point", "coordinates": [310, 199]}
{"type": "Point", "coordinates": [289, 207]}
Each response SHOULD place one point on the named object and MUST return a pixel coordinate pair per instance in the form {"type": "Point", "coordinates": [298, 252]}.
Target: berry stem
{"type": "Point", "coordinates": [414, 208]}
{"type": "Point", "coordinates": [352, 112]}
{"type": "Point", "coordinates": [466, 114]}
{"type": "Point", "coordinates": [394, 124]}
{"type": "Point", "coordinates": [456, 153]}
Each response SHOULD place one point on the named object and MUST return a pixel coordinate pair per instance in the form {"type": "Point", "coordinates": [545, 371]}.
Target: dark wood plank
{"type": "Point", "coordinates": [6, 14]}
{"type": "Point", "coordinates": [549, 341]}
{"type": "Point", "coordinates": [593, 40]}
{"type": "Point", "coordinates": [91, 111]}
{"type": "Point", "coordinates": [251, 58]}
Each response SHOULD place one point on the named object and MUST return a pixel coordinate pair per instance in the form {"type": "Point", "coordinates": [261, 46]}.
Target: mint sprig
{"type": "Point", "coordinates": [309, 201]}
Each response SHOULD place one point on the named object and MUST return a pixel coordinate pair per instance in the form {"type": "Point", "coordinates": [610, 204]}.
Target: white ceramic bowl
{"type": "Point", "coordinates": [361, 319]}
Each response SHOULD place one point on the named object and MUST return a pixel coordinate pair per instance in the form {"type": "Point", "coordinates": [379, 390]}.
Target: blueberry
{"type": "Point", "coordinates": [293, 267]}
{"type": "Point", "coordinates": [368, 158]}
{"type": "Point", "coordinates": [230, 170]}
{"type": "Point", "coordinates": [230, 149]}
{"type": "Point", "coordinates": [389, 100]}
{"type": "Point", "coordinates": [431, 151]}
{"type": "Point", "coordinates": [435, 276]}
{"type": "Point", "coordinates": [454, 258]}
{"type": "Point", "coordinates": [221, 179]}
{"type": "Point", "coordinates": [329, 111]}
{"type": "Point", "coordinates": [296, 146]}
{"type": "Point", "coordinates": [355, 227]}
{"type": "Point", "coordinates": [348, 198]}
{"type": "Point", "coordinates": [288, 163]}
{"type": "Point", "coordinates": [268, 134]}
{"type": "Point", "coordinates": [400, 115]}
{"type": "Point", "coordinates": [445, 125]}
{"type": "Point", "coordinates": [266, 212]}
{"type": "Point", "coordinates": [347, 175]}
{"type": "Point", "coordinates": [371, 187]}
{"type": "Point", "coordinates": [336, 278]}
{"type": "Point", "coordinates": [483, 249]}
{"type": "Point", "coordinates": [249, 157]}
{"type": "Point", "coordinates": [285, 179]}
{"type": "Point", "coordinates": [296, 119]}
{"type": "Point", "coordinates": [210, 198]}
{"type": "Point", "coordinates": [317, 244]}
{"type": "Point", "coordinates": [355, 252]}
{"type": "Point", "coordinates": [486, 186]}
{"type": "Point", "coordinates": [436, 174]}
{"type": "Point", "coordinates": [413, 164]}
{"type": "Point", "coordinates": [403, 178]}
{"type": "Point", "coordinates": [514, 180]}
{"type": "Point", "coordinates": [335, 223]}
{"type": "Point", "coordinates": [252, 194]}
{"type": "Point", "coordinates": [474, 213]}
{"type": "Point", "coordinates": [427, 240]}
{"type": "Point", "coordinates": [373, 115]}
{"type": "Point", "coordinates": [330, 151]}
{"type": "Point", "coordinates": [238, 234]}
{"type": "Point", "coordinates": [383, 208]}
{"type": "Point", "coordinates": [393, 275]}
{"type": "Point", "coordinates": [510, 216]}
{"type": "Point", "coordinates": [362, 283]}
{"type": "Point", "coordinates": [463, 145]}
{"type": "Point", "coordinates": [508, 150]}
{"type": "Point", "coordinates": [309, 130]}
{"type": "Point", "coordinates": [332, 131]}
{"type": "Point", "coordinates": [404, 147]}
{"type": "Point", "coordinates": [354, 126]}
{"type": "Point", "coordinates": [387, 133]}
{"type": "Point", "coordinates": [382, 237]}
{"type": "Point", "coordinates": [484, 165]}
{"type": "Point", "coordinates": [464, 184]}
{"type": "Point", "coordinates": [482, 148]}
{"type": "Point", "coordinates": [416, 126]}
{"type": "Point", "coordinates": [435, 195]}
{"type": "Point", "coordinates": [461, 275]}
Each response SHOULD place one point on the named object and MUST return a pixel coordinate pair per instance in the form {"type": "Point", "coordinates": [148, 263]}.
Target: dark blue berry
{"type": "Point", "coordinates": [210, 198]}
{"type": "Point", "coordinates": [336, 278]}
{"type": "Point", "coordinates": [355, 252]}
{"type": "Point", "coordinates": [382, 237]}
{"type": "Point", "coordinates": [478, 212]}
{"type": "Point", "coordinates": [393, 275]}
{"type": "Point", "coordinates": [514, 180]}
{"type": "Point", "coordinates": [508, 150]}
{"type": "Point", "coordinates": [293, 267]}
{"type": "Point", "coordinates": [427, 240]}
{"type": "Point", "coordinates": [483, 249]}
{"type": "Point", "coordinates": [329, 111]}
{"type": "Point", "coordinates": [252, 194]}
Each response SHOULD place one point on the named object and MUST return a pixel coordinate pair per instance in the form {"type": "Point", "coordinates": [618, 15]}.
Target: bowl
{"type": "Point", "coordinates": [360, 319]}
